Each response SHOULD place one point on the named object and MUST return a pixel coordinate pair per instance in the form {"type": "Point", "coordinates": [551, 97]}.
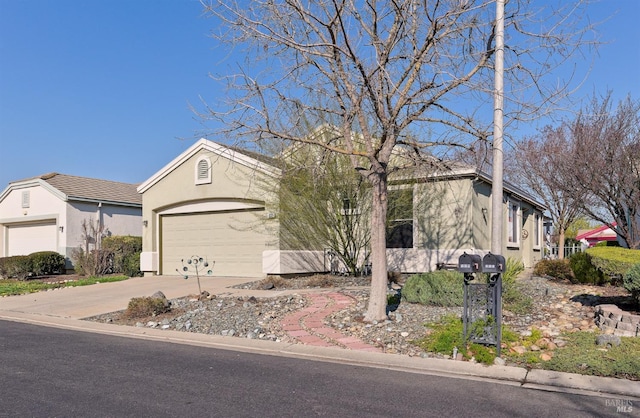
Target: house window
{"type": "Point", "coordinates": [25, 199]}
{"type": "Point", "coordinates": [400, 219]}
{"type": "Point", "coordinates": [537, 230]}
{"type": "Point", "coordinates": [514, 224]}
{"type": "Point", "coordinates": [203, 170]}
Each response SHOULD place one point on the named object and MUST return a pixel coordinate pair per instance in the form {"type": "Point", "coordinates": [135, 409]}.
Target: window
{"type": "Point", "coordinates": [514, 224]}
{"type": "Point", "coordinates": [537, 230]}
{"type": "Point", "coordinates": [400, 219]}
{"type": "Point", "coordinates": [25, 199]}
{"type": "Point", "coordinates": [203, 170]}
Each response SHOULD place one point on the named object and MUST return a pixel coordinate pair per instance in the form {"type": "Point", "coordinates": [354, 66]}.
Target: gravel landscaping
{"type": "Point", "coordinates": [558, 307]}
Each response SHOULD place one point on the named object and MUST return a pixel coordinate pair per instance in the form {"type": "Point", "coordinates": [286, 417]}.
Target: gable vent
{"type": "Point", "coordinates": [203, 170]}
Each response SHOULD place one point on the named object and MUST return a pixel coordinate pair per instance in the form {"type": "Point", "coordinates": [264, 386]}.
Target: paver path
{"type": "Point", "coordinates": [307, 325]}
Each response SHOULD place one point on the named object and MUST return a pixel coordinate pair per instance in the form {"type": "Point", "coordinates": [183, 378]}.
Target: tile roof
{"type": "Point", "coordinates": [84, 188]}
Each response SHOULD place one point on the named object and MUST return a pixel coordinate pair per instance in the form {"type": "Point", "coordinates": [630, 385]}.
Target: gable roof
{"type": "Point", "coordinates": [246, 158]}
{"type": "Point", "coordinates": [433, 169]}
{"type": "Point", "coordinates": [75, 188]}
{"type": "Point", "coordinates": [604, 233]}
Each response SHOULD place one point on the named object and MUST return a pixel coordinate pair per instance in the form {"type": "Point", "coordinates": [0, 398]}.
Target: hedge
{"type": "Point", "coordinates": [126, 253]}
{"type": "Point", "coordinates": [613, 262]}
{"type": "Point", "coordinates": [40, 263]}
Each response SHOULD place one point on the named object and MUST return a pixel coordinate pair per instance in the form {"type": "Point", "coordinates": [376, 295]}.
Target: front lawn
{"type": "Point", "coordinates": [10, 287]}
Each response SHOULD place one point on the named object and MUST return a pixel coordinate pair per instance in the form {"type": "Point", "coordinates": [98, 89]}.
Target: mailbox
{"type": "Point", "coordinates": [469, 263]}
{"type": "Point", "coordinates": [493, 263]}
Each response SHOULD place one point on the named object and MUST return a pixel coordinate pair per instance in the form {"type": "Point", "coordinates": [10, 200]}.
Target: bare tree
{"type": "Point", "coordinates": [541, 165]}
{"type": "Point", "coordinates": [414, 73]}
{"type": "Point", "coordinates": [606, 164]}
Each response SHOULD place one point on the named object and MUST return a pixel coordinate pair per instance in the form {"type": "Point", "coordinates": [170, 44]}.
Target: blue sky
{"type": "Point", "coordinates": [101, 88]}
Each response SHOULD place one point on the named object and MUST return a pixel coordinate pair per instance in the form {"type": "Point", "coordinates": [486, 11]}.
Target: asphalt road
{"type": "Point", "coordinates": [50, 372]}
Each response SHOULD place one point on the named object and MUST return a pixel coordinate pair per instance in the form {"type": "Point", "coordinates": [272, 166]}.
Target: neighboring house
{"type": "Point", "coordinates": [591, 237]}
{"type": "Point", "coordinates": [211, 202]}
{"type": "Point", "coordinates": [45, 213]}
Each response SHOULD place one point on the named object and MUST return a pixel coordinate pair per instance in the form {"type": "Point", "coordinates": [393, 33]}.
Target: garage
{"type": "Point", "coordinates": [27, 238]}
{"type": "Point", "coordinates": [232, 239]}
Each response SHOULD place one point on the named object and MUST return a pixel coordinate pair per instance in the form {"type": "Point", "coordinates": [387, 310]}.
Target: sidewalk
{"type": "Point", "coordinates": [64, 308]}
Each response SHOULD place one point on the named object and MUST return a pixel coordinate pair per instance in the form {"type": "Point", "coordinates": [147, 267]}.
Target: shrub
{"type": "Point", "coordinates": [631, 282]}
{"type": "Point", "coordinates": [146, 306]}
{"type": "Point", "coordinates": [92, 263]}
{"type": "Point", "coordinates": [558, 269]}
{"type": "Point", "coordinates": [436, 288]}
{"type": "Point", "coordinates": [512, 271]}
{"type": "Point", "coordinates": [584, 271]}
{"type": "Point", "coordinates": [47, 262]}
{"type": "Point", "coordinates": [613, 262]}
{"type": "Point", "coordinates": [17, 266]}
{"type": "Point", "coordinates": [126, 253]}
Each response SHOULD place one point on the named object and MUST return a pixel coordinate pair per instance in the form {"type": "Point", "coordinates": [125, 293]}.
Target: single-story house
{"type": "Point", "coordinates": [210, 201]}
{"type": "Point", "coordinates": [46, 213]}
{"type": "Point", "coordinates": [590, 237]}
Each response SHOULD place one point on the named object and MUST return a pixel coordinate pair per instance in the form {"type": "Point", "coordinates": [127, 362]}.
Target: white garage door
{"type": "Point", "coordinates": [232, 239]}
{"type": "Point", "coordinates": [27, 238]}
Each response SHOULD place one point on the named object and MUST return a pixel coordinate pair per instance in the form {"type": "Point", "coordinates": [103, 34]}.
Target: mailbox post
{"type": "Point", "coordinates": [482, 316]}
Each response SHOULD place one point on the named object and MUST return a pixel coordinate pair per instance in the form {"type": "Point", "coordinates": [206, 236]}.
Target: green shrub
{"type": "Point", "coordinates": [631, 282]}
{"type": "Point", "coordinates": [559, 269]}
{"type": "Point", "coordinates": [146, 306]}
{"type": "Point", "coordinates": [47, 262]}
{"type": "Point", "coordinates": [584, 271]}
{"type": "Point", "coordinates": [17, 266]}
{"type": "Point", "coordinates": [613, 262]}
{"type": "Point", "coordinates": [126, 253]}
{"type": "Point", "coordinates": [436, 288]}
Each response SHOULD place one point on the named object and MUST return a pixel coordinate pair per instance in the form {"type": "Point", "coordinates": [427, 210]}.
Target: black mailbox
{"type": "Point", "coordinates": [493, 263]}
{"type": "Point", "coordinates": [469, 263]}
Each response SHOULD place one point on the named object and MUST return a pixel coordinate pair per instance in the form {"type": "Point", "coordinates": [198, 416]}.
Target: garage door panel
{"type": "Point", "coordinates": [231, 239]}
{"type": "Point", "coordinates": [27, 238]}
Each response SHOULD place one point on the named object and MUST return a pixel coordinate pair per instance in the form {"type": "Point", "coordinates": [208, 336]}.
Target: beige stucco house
{"type": "Point", "coordinates": [211, 202]}
{"type": "Point", "coordinates": [208, 202]}
{"type": "Point", "coordinates": [45, 213]}
{"type": "Point", "coordinates": [451, 215]}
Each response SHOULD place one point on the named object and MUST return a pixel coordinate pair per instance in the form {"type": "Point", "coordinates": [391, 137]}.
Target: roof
{"type": "Point", "coordinates": [602, 233]}
{"type": "Point", "coordinates": [76, 188]}
{"type": "Point", "coordinates": [434, 169]}
{"type": "Point", "coordinates": [237, 155]}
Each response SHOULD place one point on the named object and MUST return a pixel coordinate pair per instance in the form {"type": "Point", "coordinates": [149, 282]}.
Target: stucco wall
{"type": "Point", "coordinates": [233, 187]}
{"type": "Point", "coordinates": [42, 205]}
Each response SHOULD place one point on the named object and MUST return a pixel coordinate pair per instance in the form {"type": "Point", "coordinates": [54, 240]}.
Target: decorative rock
{"type": "Point", "coordinates": [608, 340]}
{"type": "Point", "coordinates": [161, 296]}
{"type": "Point", "coordinates": [545, 356]}
{"type": "Point", "coordinates": [499, 361]}
{"type": "Point", "coordinates": [534, 347]}
{"type": "Point", "coordinates": [519, 349]}
{"type": "Point", "coordinates": [268, 286]}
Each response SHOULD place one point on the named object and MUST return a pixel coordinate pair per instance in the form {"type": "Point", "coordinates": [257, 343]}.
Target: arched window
{"type": "Point", "coordinates": [203, 170]}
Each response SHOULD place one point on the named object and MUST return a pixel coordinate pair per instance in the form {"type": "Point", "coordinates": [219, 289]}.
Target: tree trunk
{"type": "Point", "coordinates": [377, 309]}
{"type": "Point", "coordinates": [561, 244]}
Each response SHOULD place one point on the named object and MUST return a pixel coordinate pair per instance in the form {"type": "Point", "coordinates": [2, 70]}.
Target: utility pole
{"type": "Point", "coordinates": [497, 224]}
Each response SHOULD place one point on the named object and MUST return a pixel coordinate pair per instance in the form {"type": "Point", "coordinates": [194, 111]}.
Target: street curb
{"type": "Point", "coordinates": [533, 379]}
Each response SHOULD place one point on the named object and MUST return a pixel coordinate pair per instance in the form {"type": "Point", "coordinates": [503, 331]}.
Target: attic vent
{"type": "Point", "coordinates": [25, 199]}
{"type": "Point", "coordinates": [203, 170]}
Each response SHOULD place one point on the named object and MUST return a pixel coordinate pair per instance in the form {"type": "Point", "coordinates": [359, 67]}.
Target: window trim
{"type": "Point", "coordinates": [537, 228]}
{"type": "Point", "coordinates": [206, 178]}
{"type": "Point", "coordinates": [515, 229]}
